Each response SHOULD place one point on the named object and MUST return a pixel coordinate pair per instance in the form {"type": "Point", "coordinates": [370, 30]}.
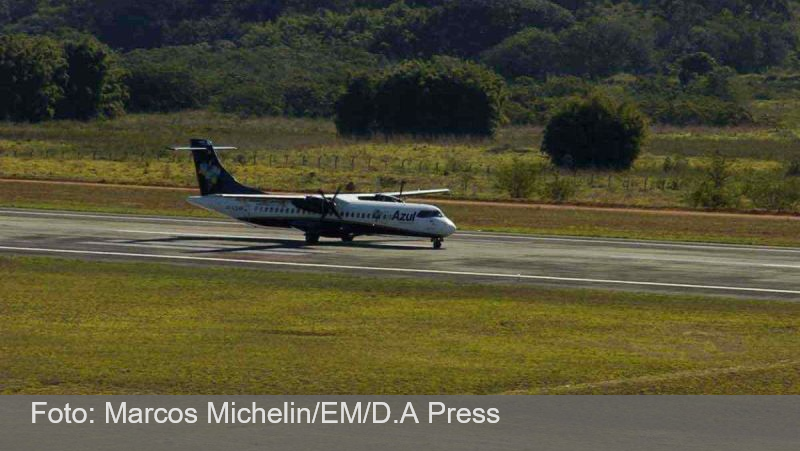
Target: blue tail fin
{"type": "Point", "coordinates": [211, 175]}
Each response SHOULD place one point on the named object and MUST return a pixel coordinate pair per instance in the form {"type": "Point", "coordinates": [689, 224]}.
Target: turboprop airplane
{"type": "Point", "coordinates": [343, 215]}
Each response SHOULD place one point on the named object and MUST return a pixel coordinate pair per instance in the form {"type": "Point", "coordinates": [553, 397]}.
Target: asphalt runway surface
{"type": "Point", "coordinates": [758, 272]}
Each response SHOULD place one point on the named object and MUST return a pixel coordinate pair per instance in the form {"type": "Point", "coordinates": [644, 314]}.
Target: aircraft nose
{"type": "Point", "coordinates": [449, 227]}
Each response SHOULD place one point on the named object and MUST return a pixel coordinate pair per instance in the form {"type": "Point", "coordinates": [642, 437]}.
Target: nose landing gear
{"type": "Point", "coordinates": [437, 243]}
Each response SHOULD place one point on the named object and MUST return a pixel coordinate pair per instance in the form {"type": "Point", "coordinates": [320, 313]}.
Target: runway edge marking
{"type": "Point", "coordinates": [400, 270]}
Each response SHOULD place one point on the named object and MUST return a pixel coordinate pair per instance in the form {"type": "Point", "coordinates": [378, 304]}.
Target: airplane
{"type": "Point", "coordinates": [343, 216]}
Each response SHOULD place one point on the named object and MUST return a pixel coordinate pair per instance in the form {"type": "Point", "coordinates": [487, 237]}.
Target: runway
{"type": "Point", "coordinates": [742, 271]}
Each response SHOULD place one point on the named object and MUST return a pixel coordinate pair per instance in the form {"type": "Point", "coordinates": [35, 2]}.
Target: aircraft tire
{"type": "Point", "coordinates": [312, 238]}
{"type": "Point", "coordinates": [437, 244]}
{"type": "Point", "coordinates": [348, 238]}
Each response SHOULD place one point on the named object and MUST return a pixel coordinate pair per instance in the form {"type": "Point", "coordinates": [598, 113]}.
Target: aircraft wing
{"type": "Point", "coordinates": [419, 192]}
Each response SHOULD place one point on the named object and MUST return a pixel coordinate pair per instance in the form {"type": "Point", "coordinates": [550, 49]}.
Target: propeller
{"type": "Point", "coordinates": [402, 185]}
{"type": "Point", "coordinates": [329, 205]}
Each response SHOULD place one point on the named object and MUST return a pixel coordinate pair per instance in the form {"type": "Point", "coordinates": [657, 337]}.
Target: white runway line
{"type": "Point", "coordinates": [479, 235]}
{"type": "Point", "coordinates": [189, 247]}
{"type": "Point", "coordinates": [623, 241]}
{"type": "Point", "coordinates": [402, 270]}
{"type": "Point", "coordinates": [111, 216]}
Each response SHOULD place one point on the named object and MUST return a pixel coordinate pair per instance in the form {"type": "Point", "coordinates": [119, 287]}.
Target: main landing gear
{"type": "Point", "coordinates": [437, 243]}
{"type": "Point", "coordinates": [312, 238]}
{"type": "Point", "coordinates": [348, 238]}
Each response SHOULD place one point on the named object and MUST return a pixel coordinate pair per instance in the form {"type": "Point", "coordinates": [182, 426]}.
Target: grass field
{"type": "Point", "coordinates": [301, 154]}
{"type": "Point", "coordinates": [488, 216]}
{"type": "Point", "coordinates": [122, 328]}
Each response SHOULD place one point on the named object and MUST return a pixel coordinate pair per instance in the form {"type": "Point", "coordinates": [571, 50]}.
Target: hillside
{"type": "Point", "coordinates": [684, 62]}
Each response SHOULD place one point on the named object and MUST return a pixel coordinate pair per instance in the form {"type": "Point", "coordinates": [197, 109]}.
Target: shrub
{"type": "Point", "coordinates": [714, 190]}
{"type": "Point", "coordinates": [694, 65]}
{"type": "Point", "coordinates": [596, 132]}
{"type": "Point", "coordinates": [517, 178]}
{"type": "Point", "coordinates": [772, 192]}
{"type": "Point", "coordinates": [560, 189]}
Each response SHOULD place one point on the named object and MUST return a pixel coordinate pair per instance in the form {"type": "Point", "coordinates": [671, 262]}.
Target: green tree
{"type": "Point", "coordinates": [604, 46]}
{"type": "Point", "coordinates": [32, 75]}
{"type": "Point", "coordinates": [596, 132]}
{"type": "Point", "coordinates": [355, 109]}
{"type": "Point", "coordinates": [163, 88]}
{"type": "Point", "coordinates": [443, 96]}
{"type": "Point", "coordinates": [94, 84]}
{"type": "Point", "coordinates": [694, 65]}
{"type": "Point", "coordinates": [531, 52]}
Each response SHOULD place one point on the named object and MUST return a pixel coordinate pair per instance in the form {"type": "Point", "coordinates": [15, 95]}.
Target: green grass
{"type": "Point", "coordinates": [486, 216]}
{"type": "Point", "coordinates": [301, 154]}
{"type": "Point", "coordinates": [73, 327]}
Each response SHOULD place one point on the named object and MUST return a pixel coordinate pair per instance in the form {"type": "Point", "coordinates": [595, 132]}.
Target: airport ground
{"type": "Point", "coordinates": [88, 323]}
{"type": "Point", "coordinates": [280, 154]}
{"type": "Point", "coordinates": [132, 327]}
{"type": "Point", "coordinates": [653, 224]}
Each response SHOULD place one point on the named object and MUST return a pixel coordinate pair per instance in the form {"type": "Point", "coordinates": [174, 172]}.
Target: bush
{"type": "Point", "coordinates": [560, 189]}
{"type": "Point", "coordinates": [715, 190]}
{"type": "Point", "coordinates": [596, 132]}
{"type": "Point", "coordinates": [443, 96]}
{"type": "Point", "coordinates": [773, 192]}
{"type": "Point", "coordinates": [517, 178]}
{"type": "Point", "coordinates": [695, 65]}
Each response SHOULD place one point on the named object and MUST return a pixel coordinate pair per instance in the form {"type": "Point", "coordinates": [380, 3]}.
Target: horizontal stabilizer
{"type": "Point", "coordinates": [200, 148]}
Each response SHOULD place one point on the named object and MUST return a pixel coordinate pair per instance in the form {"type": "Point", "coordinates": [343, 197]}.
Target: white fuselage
{"type": "Point", "coordinates": [359, 217]}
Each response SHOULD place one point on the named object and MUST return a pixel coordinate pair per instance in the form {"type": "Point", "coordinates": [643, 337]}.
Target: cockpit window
{"type": "Point", "coordinates": [430, 214]}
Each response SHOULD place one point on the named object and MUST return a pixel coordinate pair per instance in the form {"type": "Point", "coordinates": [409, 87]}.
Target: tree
{"type": "Point", "coordinates": [442, 96]}
{"type": "Point", "coordinates": [163, 88]}
{"type": "Point", "coordinates": [596, 132]}
{"type": "Point", "coordinates": [531, 52]}
{"type": "Point", "coordinates": [33, 71]}
{"type": "Point", "coordinates": [467, 27]}
{"type": "Point", "coordinates": [695, 65]}
{"type": "Point", "coordinates": [355, 109]}
{"type": "Point", "coordinates": [94, 84]}
{"type": "Point", "coordinates": [604, 46]}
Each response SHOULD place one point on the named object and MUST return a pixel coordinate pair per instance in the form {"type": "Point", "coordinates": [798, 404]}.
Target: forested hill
{"type": "Point", "coordinates": [294, 56]}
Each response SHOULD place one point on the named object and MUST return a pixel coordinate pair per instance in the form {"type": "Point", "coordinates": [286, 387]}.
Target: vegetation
{"type": "Point", "coordinates": [595, 133]}
{"type": "Point", "coordinates": [167, 330]}
{"type": "Point", "coordinates": [41, 78]}
{"type": "Point", "coordinates": [444, 96]}
{"type": "Point", "coordinates": [303, 154]}
{"type": "Point", "coordinates": [486, 216]}
{"type": "Point", "coordinates": [680, 62]}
